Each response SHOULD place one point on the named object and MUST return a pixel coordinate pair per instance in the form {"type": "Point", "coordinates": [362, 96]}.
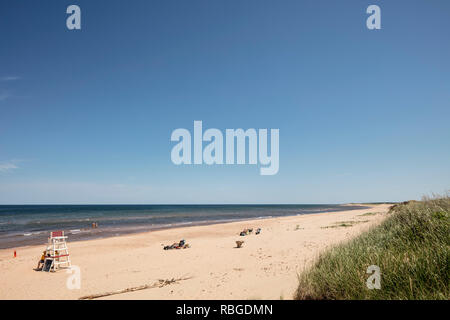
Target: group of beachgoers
{"type": "Point", "coordinates": [183, 245]}
{"type": "Point", "coordinates": [246, 232]}
{"type": "Point", "coordinates": [177, 245]}
{"type": "Point", "coordinates": [45, 255]}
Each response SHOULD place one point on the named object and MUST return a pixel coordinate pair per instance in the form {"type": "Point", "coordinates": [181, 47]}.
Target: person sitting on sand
{"type": "Point", "coordinates": [41, 261]}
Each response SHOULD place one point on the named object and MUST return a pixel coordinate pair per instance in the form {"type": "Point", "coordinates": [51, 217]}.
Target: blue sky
{"type": "Point", "coordinates": [86, 115]}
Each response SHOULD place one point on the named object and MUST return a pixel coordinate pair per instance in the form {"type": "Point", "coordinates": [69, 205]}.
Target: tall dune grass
{"type": "Point", "coordinates": [411, 247]}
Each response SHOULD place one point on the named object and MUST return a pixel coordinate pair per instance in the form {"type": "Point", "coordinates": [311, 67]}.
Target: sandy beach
{"type": "Point", "coordinates": [266, 267]}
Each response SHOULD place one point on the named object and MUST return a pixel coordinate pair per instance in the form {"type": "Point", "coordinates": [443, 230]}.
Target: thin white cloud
{"type": "Point", "coordinates": [7, 166]}
{"type": "Point", "coordinates": [10, 78]}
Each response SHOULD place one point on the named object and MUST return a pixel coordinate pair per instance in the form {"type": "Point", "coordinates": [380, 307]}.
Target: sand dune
{"type": "Point", "coordinates": [265, 268]}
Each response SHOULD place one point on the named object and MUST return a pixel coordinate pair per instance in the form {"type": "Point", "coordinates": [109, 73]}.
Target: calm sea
{"type": "Point", "coordinates": [30, 224]}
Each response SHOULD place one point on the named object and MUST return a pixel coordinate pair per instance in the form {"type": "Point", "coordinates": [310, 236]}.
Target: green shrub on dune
{"type": "Point", "coordinates": [411, 248]}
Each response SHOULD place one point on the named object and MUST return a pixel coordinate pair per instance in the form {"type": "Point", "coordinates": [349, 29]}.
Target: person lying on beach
{"type": "Point", "coordinates": [246, 232]}
{"type": "Point", "coordinates": [177, 246]}
{"type": "Point", "coordinates": [180, 245]}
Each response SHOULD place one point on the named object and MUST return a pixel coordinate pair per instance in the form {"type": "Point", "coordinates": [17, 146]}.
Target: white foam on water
{"type": "Point", "coordinates": [183, 223]}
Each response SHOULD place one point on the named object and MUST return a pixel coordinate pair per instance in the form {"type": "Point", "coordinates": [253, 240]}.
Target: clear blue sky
{"type": "Point", "coordinates": [86, 116]}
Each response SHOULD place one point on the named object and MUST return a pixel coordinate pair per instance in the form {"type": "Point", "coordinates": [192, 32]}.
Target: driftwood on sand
{"type": "Point", "coordinates": [159, 284]}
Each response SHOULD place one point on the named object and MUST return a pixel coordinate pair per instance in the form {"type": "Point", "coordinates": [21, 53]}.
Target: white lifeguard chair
{"type": "Point", "coordinates": [57, 254]}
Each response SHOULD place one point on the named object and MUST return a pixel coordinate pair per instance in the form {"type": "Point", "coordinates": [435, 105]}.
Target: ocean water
{"type": "Point", "coordinates": [30, 224]}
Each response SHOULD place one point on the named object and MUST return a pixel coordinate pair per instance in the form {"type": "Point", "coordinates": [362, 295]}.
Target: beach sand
{"type": "Point", "coordinates": [266, 267]}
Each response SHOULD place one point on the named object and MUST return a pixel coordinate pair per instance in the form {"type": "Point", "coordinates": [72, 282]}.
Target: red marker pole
{"type": "Point", "coordinates": [15, 254]}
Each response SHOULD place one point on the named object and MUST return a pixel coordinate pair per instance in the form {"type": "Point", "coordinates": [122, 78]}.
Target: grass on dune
{"type": "Point", "coordinates": [368, 214]}
{"type": "Point", "coordinates": [411, 248]}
